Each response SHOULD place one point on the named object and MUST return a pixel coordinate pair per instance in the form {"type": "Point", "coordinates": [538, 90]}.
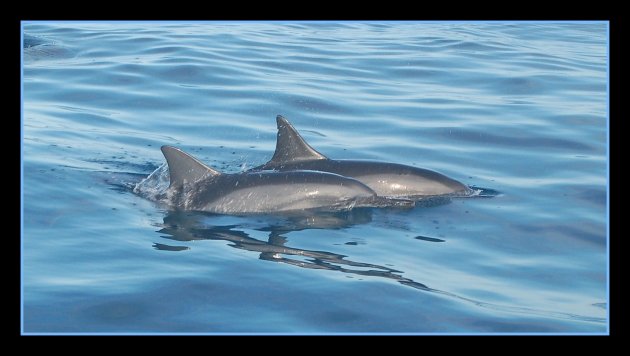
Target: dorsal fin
{"type": "Point", "coordinates": [290, 146]}
{"type": "Point", "coordinates": [183, 167]}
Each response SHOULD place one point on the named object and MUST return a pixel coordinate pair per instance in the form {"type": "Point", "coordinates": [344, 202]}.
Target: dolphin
{"type": "Point", "coordinates": [32, 41]}
{"type": "Point", "coordinates": [195, 186]}
{"type": "Point", "coordinates": [36, 48]}
{"type": "Point", "coordinates": [386, 179]}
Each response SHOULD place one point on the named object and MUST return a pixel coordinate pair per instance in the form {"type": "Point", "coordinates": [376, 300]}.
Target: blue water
{"type": "Point", "coordinates": [518, 108]}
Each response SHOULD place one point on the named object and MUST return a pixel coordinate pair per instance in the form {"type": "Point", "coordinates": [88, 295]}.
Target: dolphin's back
{"type": "Point", "coordinates": [386, 179]}
{"type": "Point", "coordinates": [278, 192]}
{"type": "Point", "coordinates": [195, 186]}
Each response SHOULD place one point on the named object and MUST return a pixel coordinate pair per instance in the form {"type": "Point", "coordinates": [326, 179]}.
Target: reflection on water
{"type": "Point", "coordinates": [189, 226]}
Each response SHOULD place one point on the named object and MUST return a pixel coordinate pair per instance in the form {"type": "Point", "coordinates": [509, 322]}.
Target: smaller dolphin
{"type": "Point", "coordinates": [386, 179]}
{"type": "Point", "coordinates": [32, 41]}
{"type": "Point", "coordinates": [195, 186]}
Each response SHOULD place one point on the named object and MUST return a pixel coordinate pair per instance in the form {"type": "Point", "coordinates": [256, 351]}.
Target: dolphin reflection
{"type": "Point", "coordinates": [186, 226]}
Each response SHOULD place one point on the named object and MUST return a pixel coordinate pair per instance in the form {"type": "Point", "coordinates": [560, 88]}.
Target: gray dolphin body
{"type": "Point", "coordinates": [195, 186]}
{"type": "Point", "coordinates": [32, 41]}
{"type": "Point", "coordinates": [386, 179]}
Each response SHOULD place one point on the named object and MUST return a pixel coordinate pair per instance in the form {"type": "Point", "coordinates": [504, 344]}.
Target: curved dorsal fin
{"type": "Point", "coordinates": [183, 167]}
{"type": "Point", "coordinates": [290, 146]}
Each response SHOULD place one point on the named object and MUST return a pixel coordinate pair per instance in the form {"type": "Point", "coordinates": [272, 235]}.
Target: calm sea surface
{"type": "Point", "coordinates": [519, 109]}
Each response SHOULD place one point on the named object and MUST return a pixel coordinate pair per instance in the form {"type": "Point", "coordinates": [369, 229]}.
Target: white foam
{"type": "Point", "coordinates": [155, 185]}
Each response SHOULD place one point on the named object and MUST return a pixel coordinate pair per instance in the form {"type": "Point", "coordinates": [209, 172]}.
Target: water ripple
{"type": "Point", "coordinates": [519, 109]}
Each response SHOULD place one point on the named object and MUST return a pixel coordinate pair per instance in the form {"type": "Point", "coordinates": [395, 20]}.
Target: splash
{"type": "Point", "coordinates": [480, 192]}
{"type": "Point", "coordinates": [155, 186]}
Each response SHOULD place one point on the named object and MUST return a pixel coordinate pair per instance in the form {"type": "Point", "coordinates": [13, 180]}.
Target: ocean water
{"type": "Point", "coordinates": [518, 109]}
